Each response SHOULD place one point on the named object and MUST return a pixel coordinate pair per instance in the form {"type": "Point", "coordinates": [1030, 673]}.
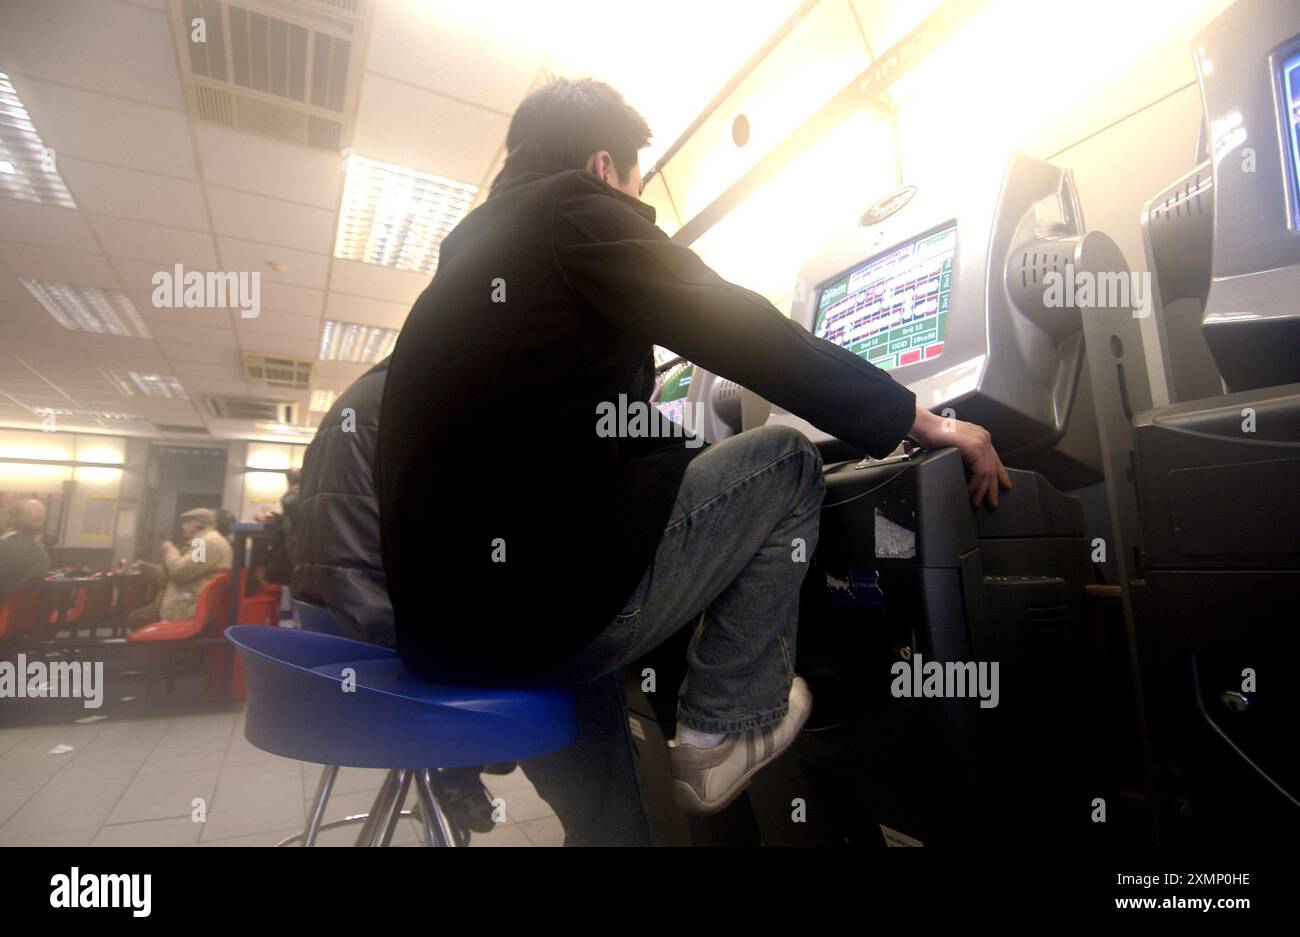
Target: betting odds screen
{"type": "Point", "coordinates": [893, 309]}
{"type": "Point", "coordinates": [672, 398]}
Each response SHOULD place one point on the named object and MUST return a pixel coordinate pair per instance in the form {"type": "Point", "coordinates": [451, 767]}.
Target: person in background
{"type": "Point", "coordinates": [290, 504]}
{"type": "Point", "coordinates": [184, 570]}
{"type": "Point", "coordinates": [334, 526]}
{"type": "Point", "coordinates": [281, 557]}
{"type": "Point", "coordinates": [23, 561]}
{"type": "Point", "coordinates": [225, 524]}
{"type": "Point", "coordinates": [337, 564]}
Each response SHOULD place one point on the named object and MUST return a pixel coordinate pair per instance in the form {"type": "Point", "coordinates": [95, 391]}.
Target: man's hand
{"type": "Point", "coordinates": [976, 447]}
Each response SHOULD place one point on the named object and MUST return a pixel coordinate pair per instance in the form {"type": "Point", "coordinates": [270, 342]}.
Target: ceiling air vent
{"type": "Point", "coordinates": [275, 371]}
{"type": "Point", "coordinates": [176, 428]}
{"type": "Point", "coordinates": [244, 408]}
{"type": "Point", "coordinates": [285, 69]}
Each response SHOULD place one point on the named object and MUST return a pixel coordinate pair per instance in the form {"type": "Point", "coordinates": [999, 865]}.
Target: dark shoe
{"type": "Point", "coordinates": [468, 804]}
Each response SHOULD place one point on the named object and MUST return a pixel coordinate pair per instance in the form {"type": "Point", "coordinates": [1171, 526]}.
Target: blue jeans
{"type": "Point", "coordinates": [736, 548]}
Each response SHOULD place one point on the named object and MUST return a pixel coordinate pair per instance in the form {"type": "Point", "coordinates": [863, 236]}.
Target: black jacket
{"type": "Point", "coordinates": [23, 563]}
{"type": "Point", "coordinates": [336, 559]}
{"type": "Point", "coordinates": [488, 435]}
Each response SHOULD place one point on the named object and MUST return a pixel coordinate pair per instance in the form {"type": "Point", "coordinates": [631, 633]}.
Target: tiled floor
{"type": "Point", "coordinates": [142, 782]}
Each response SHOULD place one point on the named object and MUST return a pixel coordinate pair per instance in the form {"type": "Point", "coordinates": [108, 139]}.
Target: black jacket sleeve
{"type": "Point", "coordinates": [629, 272]}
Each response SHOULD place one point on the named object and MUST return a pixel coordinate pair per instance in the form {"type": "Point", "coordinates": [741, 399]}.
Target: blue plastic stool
{"type": "Point", "coordinates": [334, 701]}
{"type": "Point", "coordinates": [317, 618]}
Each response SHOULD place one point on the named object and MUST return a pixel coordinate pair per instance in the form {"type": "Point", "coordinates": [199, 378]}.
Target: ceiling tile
{"type": "Point", "coordinates": [337, 375]}
{"type": "Point", "coordinates": [255, 164]}
{"type": "Point", "coordinates": [44, 225]}
{"type": "Point", "coordinates": [211, 332]}
{"type": "Point", "coordinates": [186, 318]}
{"type": "Point", "coordinates": [205, 387]}
{"type": "Point", "coordinates": [400, 124]}
{"type": "Point", "coordinates": [344, 308]}
{"type": "Point", "coordinates": [180, 352]}
{"type": "Point", "coordinates": [206, 372]}
{"type": "Point", "coordinates": [377, 281]}
{"type": "Point", "coordinates": [272, 221]}
{"type": "Point", "coordinates": [138, 240]}
{"type": "Point", "coordinates": [274, 322]}
{"type": "Point", "coordinates": [137, 280]}
{"type": "Point", "coordinates": [34, 315]}
{"type": "Point", "coordinates": [139, 349]}
{"type": "Point", "coordinates": [86, 42]}
{"type": "Point", "coordinates": [280, 345]}
{"type": "Point", "coordinates": [79, 381]}
{"type": "Point", "coordinates": [58, 266]}
{"type": "Point", "coordinates": [300, 267]}
{"type": "Point", "coordinates": [129, 193]}
{"type": "Point", "coordinates": [11, 289]}
{"type": "Point", "coordinates": [295, 299]}
{"type": "Point", "coordinates": [111, 130]}
{"type": "Point", "coordinates": [439, 44]}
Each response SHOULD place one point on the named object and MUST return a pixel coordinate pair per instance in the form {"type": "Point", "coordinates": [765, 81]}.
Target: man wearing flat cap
{"type": "Point", "coordinates": [185, 570]}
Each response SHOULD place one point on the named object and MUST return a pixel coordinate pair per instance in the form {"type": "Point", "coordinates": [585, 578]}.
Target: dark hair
{"type": "Point", "coordinates": [567, 120]}
{"type": "Point", "coordinates": [225, 521]}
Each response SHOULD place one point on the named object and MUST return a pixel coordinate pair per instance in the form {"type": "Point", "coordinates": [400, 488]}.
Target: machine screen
{"type": "Point", "coordinates": [1291, 100]}
{"type": "Point", "coordinates": [892, 310]}
{"type": "Point", "coordinates": [672, 398]}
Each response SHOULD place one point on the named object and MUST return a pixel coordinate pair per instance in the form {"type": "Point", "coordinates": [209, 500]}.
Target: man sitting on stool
{"type": "Point", "coordinates": [184, 570]}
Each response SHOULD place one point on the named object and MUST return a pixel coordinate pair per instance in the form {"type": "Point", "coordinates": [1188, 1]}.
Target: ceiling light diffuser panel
{"type": "Point", "coordinates": [355, 344]}
{"type": "Point", "coordinates": [136, 384]}
{"type": "Point", "coordinates": [397, 217]}
{"type": "Point", "coordinates": [28, 168]}
{"type": "Point", "coordinates": [88, 308]}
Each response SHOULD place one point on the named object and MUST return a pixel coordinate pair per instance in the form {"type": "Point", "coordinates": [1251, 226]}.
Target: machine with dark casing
{"type": "Point", "coordinates": [1218, 474]}
{"type": "Point", "coordinates": [960, 294]}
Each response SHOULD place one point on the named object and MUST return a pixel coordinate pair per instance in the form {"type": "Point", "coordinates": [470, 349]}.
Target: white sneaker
{"type": "Point", "coordinates": [705, 780]}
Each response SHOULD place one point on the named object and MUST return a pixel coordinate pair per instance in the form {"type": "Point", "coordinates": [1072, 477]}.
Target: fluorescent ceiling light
{"type": "Point", "coordinates": [397, 217]}
{"type": "Point", "coordinates": [664, 355]}
{"type": "Point", "coordinates": [285, 429]}
{"type": "Point", "coordinates": [93, 414]}
{"type": "Point", "coordinates": [356, 344]}
{"type": "Point", "coordinates": [88, 308]}
{"type": "Point", "coordinates": [322, 400]}
{"type": "Point", "coordinates": [27, 168]}
{"type": "Point", "coordinates": [135, 384]}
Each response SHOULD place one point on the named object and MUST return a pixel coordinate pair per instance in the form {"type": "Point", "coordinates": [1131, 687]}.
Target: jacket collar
{"type": "Point", "coordinates": [522, 169]}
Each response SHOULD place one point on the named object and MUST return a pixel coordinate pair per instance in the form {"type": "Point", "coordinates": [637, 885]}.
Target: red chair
{"type": "Point", "coordinates": [135, 592]}
{"type": "Point", "coordinates": [211, 615]}
{"type": "Point", "coordinates": [260, 608]}
{"type": "Point", "coordinates": [18, 614]}
{"type": "Point", "coordinates": [72, 609]}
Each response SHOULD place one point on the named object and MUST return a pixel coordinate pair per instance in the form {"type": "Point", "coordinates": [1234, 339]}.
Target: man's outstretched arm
{"type": "Point", "coordinates": [629, 272]}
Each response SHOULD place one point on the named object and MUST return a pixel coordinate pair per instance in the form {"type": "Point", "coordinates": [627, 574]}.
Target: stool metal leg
{"type": "Point", "coordinates": [309, 835]}
{"type": "Point", "coordinates": [318, 806]}
{"type": "Point", "coordinates": [393, 810]}
{"type": "Point", "coordinates": [387, 791]}
{"type": "Point", "coordinates": [438, 827]}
